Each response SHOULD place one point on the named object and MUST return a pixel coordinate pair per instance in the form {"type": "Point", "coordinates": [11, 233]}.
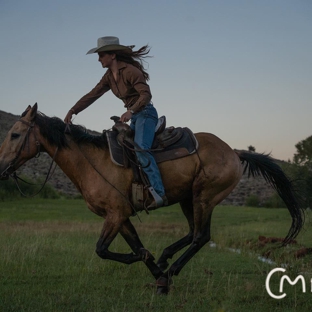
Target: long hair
{"type": "Point", "coordinates": [135, 58]}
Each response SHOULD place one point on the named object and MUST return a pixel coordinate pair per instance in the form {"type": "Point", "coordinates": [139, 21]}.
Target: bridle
{"type": "Point", "coordinates": [25, 143]}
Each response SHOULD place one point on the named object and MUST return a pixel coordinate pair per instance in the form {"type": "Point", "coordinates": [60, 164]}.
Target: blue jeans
{"type": "Point", "coordinates": [143, 124]}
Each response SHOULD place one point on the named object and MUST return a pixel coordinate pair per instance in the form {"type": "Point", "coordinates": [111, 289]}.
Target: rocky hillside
{"type": "Point", "coordinates": [37, 169]}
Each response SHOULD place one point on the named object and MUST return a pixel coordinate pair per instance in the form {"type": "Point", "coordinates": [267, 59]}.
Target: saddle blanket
{"type": "Point", "coordinates": [182, 143]}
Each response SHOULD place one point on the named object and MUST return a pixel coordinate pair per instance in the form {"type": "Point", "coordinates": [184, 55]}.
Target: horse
{"type": "Point", "coordinates": [197, 182]}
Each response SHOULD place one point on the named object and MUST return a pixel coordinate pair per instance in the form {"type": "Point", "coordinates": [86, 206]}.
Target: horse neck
{"type": "Point", "coordinates": [77, 162]}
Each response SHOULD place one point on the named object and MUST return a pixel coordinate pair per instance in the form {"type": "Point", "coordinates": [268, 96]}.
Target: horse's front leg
{"type": "Point", "coordinates": [130, 235]}
{"type": "Point", "coordinates": [109, 232]}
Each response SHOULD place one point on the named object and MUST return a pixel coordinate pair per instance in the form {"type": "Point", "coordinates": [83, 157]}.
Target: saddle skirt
{"type": "Point", "coordinates": [171, 143]}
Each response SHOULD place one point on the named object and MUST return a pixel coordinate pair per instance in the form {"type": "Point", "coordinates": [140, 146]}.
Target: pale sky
{"type": "Point", "coordinates": [239, 69]}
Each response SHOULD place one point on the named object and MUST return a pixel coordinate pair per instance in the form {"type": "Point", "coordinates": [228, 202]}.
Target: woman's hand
{"type": "Point", "coordinates": [69, 116]}
{"type": "Point", "coordinates": [126, 116]}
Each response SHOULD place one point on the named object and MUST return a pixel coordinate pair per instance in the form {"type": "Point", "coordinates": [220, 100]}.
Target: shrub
{"type": "Point", "coordinates": [252, 201]}
{"type": "Point", "coordinates": [274, 202]}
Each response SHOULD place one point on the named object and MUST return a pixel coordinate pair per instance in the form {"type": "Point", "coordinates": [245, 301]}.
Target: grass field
{"type": "Point", "coordinates": [48, 261]}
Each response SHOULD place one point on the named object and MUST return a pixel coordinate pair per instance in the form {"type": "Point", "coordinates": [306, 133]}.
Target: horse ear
{"type": "Point", "coordinates": [31, 112]}
{"type": "Point", "coordinates": [26, 111]}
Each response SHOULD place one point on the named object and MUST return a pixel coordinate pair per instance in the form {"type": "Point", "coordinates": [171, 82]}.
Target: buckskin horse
{"type": "Point", "coordinates": [197, 182]}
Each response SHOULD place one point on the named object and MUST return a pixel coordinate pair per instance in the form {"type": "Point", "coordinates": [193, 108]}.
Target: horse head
{"type": "Point", "coordinates": [20, 143]}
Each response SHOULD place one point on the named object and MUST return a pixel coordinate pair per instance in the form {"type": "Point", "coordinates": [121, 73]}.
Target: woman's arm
{"type": "Point", "coordinates": [88, 99]}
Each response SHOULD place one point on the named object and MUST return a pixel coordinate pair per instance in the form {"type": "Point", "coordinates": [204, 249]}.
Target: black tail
{"type": "Point", "coordinates": [264, 165]}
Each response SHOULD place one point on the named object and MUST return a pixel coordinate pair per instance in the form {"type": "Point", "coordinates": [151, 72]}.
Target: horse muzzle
{"type": "Point", "coordinates": [5, 174]}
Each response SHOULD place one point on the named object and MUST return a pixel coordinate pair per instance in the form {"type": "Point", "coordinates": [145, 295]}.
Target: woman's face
{"type": "Point", "coordinates": [106, 59]}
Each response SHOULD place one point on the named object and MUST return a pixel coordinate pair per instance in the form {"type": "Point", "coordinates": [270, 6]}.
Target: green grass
{"type": "Point", "coordinates": [48, 262]}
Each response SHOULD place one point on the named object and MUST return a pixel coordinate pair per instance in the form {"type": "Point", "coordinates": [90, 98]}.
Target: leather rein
{"type": "Point", "coordinates": [13, 162]}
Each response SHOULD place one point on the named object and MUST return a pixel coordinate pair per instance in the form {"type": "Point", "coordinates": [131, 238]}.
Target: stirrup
{"type": "Point", "coordinates": [158, 200]}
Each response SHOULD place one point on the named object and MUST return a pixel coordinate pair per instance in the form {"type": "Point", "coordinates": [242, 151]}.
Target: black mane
{"type": "Point", "coordinates": [53, 129]}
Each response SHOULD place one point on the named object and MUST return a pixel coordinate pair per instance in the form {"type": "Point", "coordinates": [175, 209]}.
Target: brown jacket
{"type": "Point", "coordinates": [130, 87]}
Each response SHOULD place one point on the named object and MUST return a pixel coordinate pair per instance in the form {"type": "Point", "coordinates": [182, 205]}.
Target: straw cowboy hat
{"type": "Point", "coordinates": [109, 43]}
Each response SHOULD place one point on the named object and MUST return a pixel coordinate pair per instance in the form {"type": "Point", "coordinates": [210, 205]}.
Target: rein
{"type": "Point", "coordinates": [68, 131]}
{"type": "Point", "coordinates": [14, 176]}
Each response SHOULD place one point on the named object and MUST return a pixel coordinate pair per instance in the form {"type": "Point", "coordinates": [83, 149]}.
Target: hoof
{"type": "Point", "coordinates": [163, 285]}
{"type": "Point", "coordinates": [162, 290]}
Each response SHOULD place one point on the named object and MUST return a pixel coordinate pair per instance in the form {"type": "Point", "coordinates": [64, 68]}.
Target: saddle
{"type": "Point", "coordinates": [169, 144]}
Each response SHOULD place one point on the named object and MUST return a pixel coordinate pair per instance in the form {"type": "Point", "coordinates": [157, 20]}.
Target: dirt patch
{"type": "Point", "coordinates": [267, 246]}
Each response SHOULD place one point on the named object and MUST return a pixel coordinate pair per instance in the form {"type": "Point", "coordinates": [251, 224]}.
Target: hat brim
{"type": "Point", "coordinates": [110, 47]}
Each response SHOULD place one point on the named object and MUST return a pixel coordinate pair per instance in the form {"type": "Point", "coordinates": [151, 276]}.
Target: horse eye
{"type": "Point", "coordinates": [14, 136]}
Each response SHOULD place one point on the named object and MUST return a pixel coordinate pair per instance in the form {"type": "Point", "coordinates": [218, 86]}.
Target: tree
{"type": "Point", "coordinates": [301, 169]}
{"type": "Point", "coordinates": [304, 153]}
{"type": "Point", "coordinates": [251, 148]}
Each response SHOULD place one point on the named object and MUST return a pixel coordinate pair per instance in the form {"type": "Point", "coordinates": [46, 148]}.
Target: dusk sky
{"type": "Point", "coordinates": [241, 70]}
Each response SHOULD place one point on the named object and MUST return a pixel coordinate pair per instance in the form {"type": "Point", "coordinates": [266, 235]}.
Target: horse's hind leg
{"type": "Point", "coordinates": [200, 238]}
{"type": "Point", "coordinates": [163, 283]}
{"type": "Point", "coordinates": [204, 201]}
{"type": "Point", "coordinates": [168, 252]}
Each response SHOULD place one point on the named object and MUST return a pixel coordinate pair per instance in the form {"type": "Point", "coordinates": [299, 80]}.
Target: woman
{"type": "Point", "coordinates": [126, 77]}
